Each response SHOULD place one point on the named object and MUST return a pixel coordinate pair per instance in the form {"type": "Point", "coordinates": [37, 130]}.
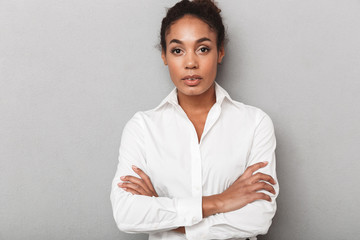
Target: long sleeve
{"type": "Point", "coordinates": [136, 213]}
{"type": "Point", "coordinates": [256, 217]}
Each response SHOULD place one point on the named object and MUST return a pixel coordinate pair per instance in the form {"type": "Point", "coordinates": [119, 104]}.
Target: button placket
{"type": "Point", "coordinates": [211, 118]}
{"type": "Point", "coordinates": [196, 160]}
{"type": "Point", "coordinates": [196, 168]}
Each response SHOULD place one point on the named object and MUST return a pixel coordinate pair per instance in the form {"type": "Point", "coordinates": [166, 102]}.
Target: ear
{"type": "Point", "coordinates": [221, 54]}
{"type": "Point", "coordinates": [163, 56]}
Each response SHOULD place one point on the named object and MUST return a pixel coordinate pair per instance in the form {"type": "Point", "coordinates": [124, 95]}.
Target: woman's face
{"type": "Point", "coordinates": [192, 55]}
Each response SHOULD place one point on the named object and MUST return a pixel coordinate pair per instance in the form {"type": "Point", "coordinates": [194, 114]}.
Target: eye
{"type": "Point", "coordinates": [176, 51]}
{"type": "Point", "coordinates": [204, 49]}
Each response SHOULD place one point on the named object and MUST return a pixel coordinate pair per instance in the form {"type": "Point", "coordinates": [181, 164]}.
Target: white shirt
{"type": "Point", "coordinates": [164, 144]}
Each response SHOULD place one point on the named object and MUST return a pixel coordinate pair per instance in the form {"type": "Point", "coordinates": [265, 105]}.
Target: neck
{"type": "Point", "coordinates": [198, 103]}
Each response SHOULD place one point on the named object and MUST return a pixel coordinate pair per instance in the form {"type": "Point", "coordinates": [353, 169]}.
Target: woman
{"type": "Point", "coordinates": [200, 165]}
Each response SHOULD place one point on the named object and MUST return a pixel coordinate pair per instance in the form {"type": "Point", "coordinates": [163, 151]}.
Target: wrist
{"type": "Point", "coordinates": [180, 230]}
{"type": "Point", "coordinates": [211, 205]}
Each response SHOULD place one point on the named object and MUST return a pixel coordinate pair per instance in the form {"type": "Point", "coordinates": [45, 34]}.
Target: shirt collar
{"type": "Point", "coordinates": [220, 93]}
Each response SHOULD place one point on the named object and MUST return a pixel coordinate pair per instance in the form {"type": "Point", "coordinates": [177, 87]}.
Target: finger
{"type": "Point", "coordinates": [263, 186]}
{"type": "Point", "coordinates": [145, 177]}
{"type": "Point", "coordinates": [260, 196]}
{"type": "Point", "coordinates": [137, 181]}
{"type": "Point", "coordinates": [180, 230]}
{"type": "Point", "coordinates": [130, 190]}
{"type": "Point", "coordinates": [262, 177]}
{"type": "Point", "coordinates": [250, 170]}
{"type": "Point", "coordinates": [133, 186]}
{"type": "Point", "coordinates": [132, 179]}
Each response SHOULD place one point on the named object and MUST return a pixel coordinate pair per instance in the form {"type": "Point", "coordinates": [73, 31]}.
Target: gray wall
{"type": "Point", "coordinates": [73, 72]}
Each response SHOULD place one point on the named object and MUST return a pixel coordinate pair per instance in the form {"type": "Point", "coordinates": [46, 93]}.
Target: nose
{"type": "Point", "coordinates": [191, 61]}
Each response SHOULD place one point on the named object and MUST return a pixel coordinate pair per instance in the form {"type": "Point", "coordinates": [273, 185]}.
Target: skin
{"type": "Point", "coordinates": [192, 50]}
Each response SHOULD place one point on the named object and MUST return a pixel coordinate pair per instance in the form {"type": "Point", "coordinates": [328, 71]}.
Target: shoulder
{"type": "Point", "coordinates": [257, 122]}
{"type": "Point", "coordinates": [141, 119]}
{"type": "Point", "coordinates": [135, 124]}
{"type": "Point", "coordinates": [251, 113]}
{"type": "Point", "coordinates": [238, 110]}
{"type": "Point", "coordinates": [146, 117]}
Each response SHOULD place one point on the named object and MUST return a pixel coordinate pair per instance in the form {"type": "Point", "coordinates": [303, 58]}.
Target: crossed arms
{"type": "Point", "coordinates": [245, 209]}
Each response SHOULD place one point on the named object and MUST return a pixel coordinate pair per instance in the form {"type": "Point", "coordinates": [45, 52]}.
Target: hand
{"type": "Point", "coordinates": [141, 186]}
{"type": "Point", "coordinates": [180, 230]}
{"type": "Point", "coordinates": [138, 186]}
{"type": "Point", "coordinates": [246, 189]}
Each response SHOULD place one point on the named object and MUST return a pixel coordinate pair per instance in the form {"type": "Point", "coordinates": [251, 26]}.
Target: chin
{"type": "Point", "coordinates": [192, 91]}
{"type": "Point", "coordinates": [195, 90]}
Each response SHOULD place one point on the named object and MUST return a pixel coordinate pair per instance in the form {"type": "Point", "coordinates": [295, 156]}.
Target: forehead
{"type": "Point", "coordinates": [188, 28]}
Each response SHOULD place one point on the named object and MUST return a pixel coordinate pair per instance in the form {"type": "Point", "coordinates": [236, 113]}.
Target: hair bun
{"type": "Point", "coordinates": [205, 10]}
{"type": "Point", "coordinates": [208, 4]}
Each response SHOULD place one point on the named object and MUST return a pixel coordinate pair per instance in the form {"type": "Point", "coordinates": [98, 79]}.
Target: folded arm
{"type": "Point", "coordinates": [254, 218]}
{"type": "Point", "coordinates": [138, 213]}
{"type": "Point", "coordinates": [240, 211]}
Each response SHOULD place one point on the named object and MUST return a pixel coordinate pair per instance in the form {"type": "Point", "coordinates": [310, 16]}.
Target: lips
{"type": "Point", "coordinates": [192, 80]}
{"type": "Point", "coordinates": [191, 77]}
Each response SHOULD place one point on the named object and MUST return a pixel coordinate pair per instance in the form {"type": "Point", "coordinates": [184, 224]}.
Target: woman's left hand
{"type": "Point", "coordinates": [138, 186]}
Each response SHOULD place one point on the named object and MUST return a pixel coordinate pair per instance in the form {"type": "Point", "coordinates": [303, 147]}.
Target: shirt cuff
{"type": "Point", "coordinates": [198, 231]}
{"type": "Point", "coordinates": [189, 210]}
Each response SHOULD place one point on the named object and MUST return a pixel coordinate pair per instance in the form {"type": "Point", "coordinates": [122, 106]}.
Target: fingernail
{"type": "Point", "coordinates": [134, 167]}
{"type": "Point", "coordinates": [266, 162]}
{"type": "Point", "coordinates": [122, 178]}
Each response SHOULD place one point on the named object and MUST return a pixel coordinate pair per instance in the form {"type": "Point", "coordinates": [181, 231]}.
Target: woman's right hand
{"type": "Point", "coordinates": [246, 189]}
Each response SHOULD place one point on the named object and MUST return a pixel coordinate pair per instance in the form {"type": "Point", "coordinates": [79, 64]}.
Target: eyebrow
{"type": "Point", "coordinates": [197, 41]}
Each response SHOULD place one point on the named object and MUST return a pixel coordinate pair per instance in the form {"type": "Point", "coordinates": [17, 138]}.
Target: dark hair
{"type": "Point", "coordinates": [206, 10]}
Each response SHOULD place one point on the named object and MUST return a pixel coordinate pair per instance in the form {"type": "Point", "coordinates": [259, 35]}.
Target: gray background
{"type": "Point", "coordinates": [73, 72]}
